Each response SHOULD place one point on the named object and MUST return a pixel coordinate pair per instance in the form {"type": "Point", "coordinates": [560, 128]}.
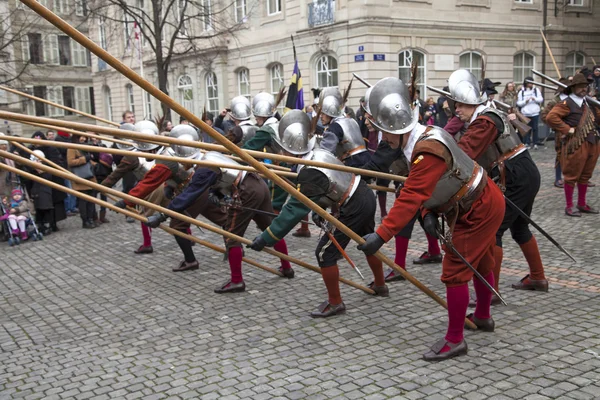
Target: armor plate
{"type": "Point", "coordinates": [352, 143]}
{"type": "Point", "coordinates": [227, 176]}
{"type": "Point", "coordinates": [292, 133]}
{"type": "Point", "coordinates": [339, 182]}
{"type": "Point", "coordinates": [454, 179]}
{"type": "Point", "coordinates": [505, 142]}
{"type": "Point", "coordinates": [248, 132]}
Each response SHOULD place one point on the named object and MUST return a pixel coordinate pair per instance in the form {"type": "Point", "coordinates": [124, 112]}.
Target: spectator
{"type": "Point", "coordinates": [51, 135]}
{"type": "Point", "coordinates": [129, 179]}
{"type": "Point", "coordinates": [443, 110]}
{"type": "Point", "coordinates": [77, 158]}
{"type": "Point", "coordinates": [596, 78]}
{"type": "Point", "coordinates": [70, 203]}
{"type": "Point", "coordinates": [349, 112]}
{"type": "Point", "coordinates": [529, 100]}
{"type": "Point", "coordinates": [208, 119]}
{"type": "Point", "coordinates": [310, 111]}
{"type": "Point", "coordinates": [430, 112]}
{"type": "Point", "coordinates": [128, 117]}
{"type": "Point", "coordinates": [167, 126]}
{"type": "Point", "coordinates": [224, 124]}
{"type": "Point", "coordinates": [509, 95]}
{"type": "Point", "coordinates": [102, 169]}
{"type": "Point", "coordinates": [6, 178]}
{"type": "Point", "coordinates": [42, 198]}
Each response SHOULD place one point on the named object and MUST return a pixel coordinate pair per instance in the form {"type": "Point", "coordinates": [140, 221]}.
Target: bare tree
{"type": "Point", "coordinates": [174, 29]}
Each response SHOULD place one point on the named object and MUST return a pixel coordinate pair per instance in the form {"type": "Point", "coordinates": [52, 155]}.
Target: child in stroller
{"type": "Point", "coordinates": [16, 214]}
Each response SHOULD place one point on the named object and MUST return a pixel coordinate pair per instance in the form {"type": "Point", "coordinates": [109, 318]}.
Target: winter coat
{"type": "Point", "coordinates": [530, 108]}
{"type": "Point", "coordinates": [509, 98]}
{"type": "Point", "coordinates": [76, 158]}
{"type": "Point", "coordinates": [42, 194]}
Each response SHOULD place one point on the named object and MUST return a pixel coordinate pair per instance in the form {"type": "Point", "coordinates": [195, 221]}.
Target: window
{"type": "Point", "coordinates": [471, 61]}
{"type": "Point", "coordinates": [80, 56]}
{"type": "Point", "coordinates": [55, 95]}
{"type": "Point", "coordinates": [80, 8]}
{"type": "Point", "coordinates": [405, 60]}
{"type": "Point", "coordinates": [128, 30]}
{"type": "Point", "coordinates": [130, 98]}
{"type": "Point", "coordinates": [244, 83]}
{"type": "Point", "coordinates": [29, 106]}
{"type": "Point", "coordinates": [182, 20]}
{"type": "Point", "coordinates": [82, 99]}
{"type": "Point", "coordinates": [92, 104]}
{"type": "Point", "coordinates": [241, 11]}
{"type": "Point", "coordinates": [51, 54]}
{"type": "Point", "coordinates": [148, 106]}
{"type": "Point", "coordinates": [327, 72]}
{"type": "Point", "coordinates": [523, 63]}
{"type": "Point", "coordinates": [107, 102]}
{"type": "Point", "coordinates": [68, 93]}
{"type": "Point", "coordinates": [102, 32]}
{"type": "Point", "coordinates": [524, 1]}
{"type": "Point", "coordinates": [61, 6]}
{"type": "Point", "coordinates": [277, 82]}
{"type": "Point", "coordinates": [578, 3]}
{"type": "Point", "coordinates": [186, 92]}
{"type": "Point", "coordinates": [25, 48]}
{"type": "Point", "coordinates": [273, 7]}
{"type": "Point", "coordinates": [44, 3]}
{"type": "Point", "coordinates": [212, 92]}
{"type": "Point", "coordinates": [40, 108]}
{"type": "Point", "coordinates": [206, 13]}
{"type": "Point", "coordinates": [64, 50]}
{"type": "Point", "coordinates": [36, 49]}
{"type": "Point", "coordinates": [575, 61]}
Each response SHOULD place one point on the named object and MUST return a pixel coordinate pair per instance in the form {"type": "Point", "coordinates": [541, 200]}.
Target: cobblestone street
{"type": "Point", "coordinates": [83, 317]}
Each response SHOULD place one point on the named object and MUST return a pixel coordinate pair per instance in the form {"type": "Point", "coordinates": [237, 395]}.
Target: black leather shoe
{"type": "Point", "coordinates": [328, 310]}
{"type": "Point", "coordinates": [530, 284]}
{"type": "Point", "coordinates": [287, 272]}
{"type": "Point", "coordinates": [486, 325]}
{"type": "Point", "coordinates": [587, 209]}
{"type": "Point", "coordinates": [456, 349]}
{"type": "Point", "coordinates": [187, 266]}
{"type": "Point", "coordinates": [144, 250]}
{"type": "Point", "coordinates": [305, 233]}
{"type": "Point", "coordinates": [381, 291]}
{"type": "Point", "coordinates": [392, 276]}
{"type": "Point", "coordinates": [229, 287]}
{"type": "Point", "coordinates": [427, 258]}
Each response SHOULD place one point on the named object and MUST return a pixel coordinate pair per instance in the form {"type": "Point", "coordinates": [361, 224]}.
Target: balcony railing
{"type": "Point", "coordinates": [320, 13]}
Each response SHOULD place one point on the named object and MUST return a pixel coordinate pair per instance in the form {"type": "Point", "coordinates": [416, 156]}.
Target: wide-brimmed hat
{"type": "Point", "coordinates": [578, 79]}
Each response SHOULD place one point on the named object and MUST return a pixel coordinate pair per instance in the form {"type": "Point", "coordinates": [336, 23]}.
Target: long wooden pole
{"type": "Point", "coordinates": [165, 99]}
{"type": "Point", "coordinates": [550, 52]}
{"type": "Point", "coordinates": [166, 140]}
{"type": "Point", "coordinates": [80, 133]}
{"type": "Point", "coordinates": [169, 213]}
{"type": "Point", "coordinates": [50, 103]}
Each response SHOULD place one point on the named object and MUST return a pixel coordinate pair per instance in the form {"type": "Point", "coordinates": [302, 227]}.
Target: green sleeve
{"type": "Point", "coordinates": [288, 218]}
{"type": "Point", "coordinates": [259, 141]}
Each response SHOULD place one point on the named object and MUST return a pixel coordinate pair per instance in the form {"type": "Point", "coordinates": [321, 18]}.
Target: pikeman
{"type": "Point", "coordinates": [559, 97]}
{"type": "Point", "coordinates": [327, 188]}
{"type": "Point", "coordinates": [386, 159]}
{"type": "Point", "coordinates": [139, 166]}
{"type": "Point", "coordinates": [263, 108]}
{"type": "Point", "coordinates": [491, 140]}
{"type": "Point", "coordinates": [239, 112]}
{"type": "Point", "coordinates": [574, 122]}
{"type": "Point", "coordinates": [342, 136]}
{"type": "Point", "coordinates": [442, 180]}
{"type": "Point", "coordinates": [166, 177]}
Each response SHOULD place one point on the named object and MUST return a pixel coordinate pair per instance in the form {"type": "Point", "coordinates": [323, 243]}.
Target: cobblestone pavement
{"type": "Point", "coordinates": [83, 317]}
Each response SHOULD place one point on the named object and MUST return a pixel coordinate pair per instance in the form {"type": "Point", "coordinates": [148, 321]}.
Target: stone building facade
{"type": "Point", "coordinates": [373, 38]}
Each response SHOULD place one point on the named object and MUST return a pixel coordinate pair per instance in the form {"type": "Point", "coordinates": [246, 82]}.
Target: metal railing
{"type": "Point", "coordinates": [320, 13]}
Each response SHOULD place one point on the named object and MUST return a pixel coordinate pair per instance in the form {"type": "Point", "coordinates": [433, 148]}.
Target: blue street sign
{"type": "Point", "coordinates": [361, 48]}
{"type": "Point", "coordinates": [359, 57]}
{"type": "Point", "coordinates": [378, 57]}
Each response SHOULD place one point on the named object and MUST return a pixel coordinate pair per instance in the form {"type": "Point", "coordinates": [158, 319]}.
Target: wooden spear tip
{"type": "Point", "coordinates": [280, 96]}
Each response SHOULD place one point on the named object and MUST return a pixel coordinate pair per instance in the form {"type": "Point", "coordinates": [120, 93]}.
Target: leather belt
{"type": "Point", "coordinates": [347, 192]}
{"type": "Point", "coordinates": [500, 163]}
{"type": "Point", "coordinates": [356, 150]}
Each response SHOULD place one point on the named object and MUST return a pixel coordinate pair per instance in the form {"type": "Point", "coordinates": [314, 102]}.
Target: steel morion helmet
{"type": "Point", "coordinates": [126, 127]}
{"type": "Point", "coordinates": [240, 108]}
{"type": "Point", "coordinates": [150, 129]}
{"type": "Point", "coordinates": [332, 102]}
{"type": "Point", "coordinates": [263, 105]}
{"type": "Point", "coordinates": [184, 132]}
{"type": "Point", "coordinates": [365, 107]}
{"type": "Point", "coordinates": [248, 132]}
{"type": "Point", "coordinates": [293, 133]}
{"type": "Point", "coordinates": [464, 88]}
{"type": "Point", "coordinates": [390, 106]}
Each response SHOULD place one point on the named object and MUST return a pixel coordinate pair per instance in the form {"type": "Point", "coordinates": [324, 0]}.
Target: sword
{"type": "Point", "coordinates": [536, 226]}
{"type": "Point", "coordinates": [448, 243]}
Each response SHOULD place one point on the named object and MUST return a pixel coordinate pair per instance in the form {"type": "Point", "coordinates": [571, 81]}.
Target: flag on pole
{"type": "Point", "coordinates": [295, 98]}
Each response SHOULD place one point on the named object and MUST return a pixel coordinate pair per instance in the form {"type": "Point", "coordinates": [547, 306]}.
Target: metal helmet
{"type": "Point", "coordinates": [263, 105]}
{"type": "Point", "coordinates": [390, 106]}
{"type": "Point", "coordinates": [331, 102]}
{"type": "Point", "coordinates": [248, 132]}
{"type": "Point", "coordinates": [126, 127]}
{"type": "Point", "coordinates": [184, 132]}
{"type": "Point", "coordinates": [240, 108]}
{"type": "Point", "coordinates": [365, 106]}
{"type": "Point", "coordinates": [464, 88]}
{"type": "Point", "coordinates": [150, 129]}
{"type": "Point", "coordinates": [293, 133]}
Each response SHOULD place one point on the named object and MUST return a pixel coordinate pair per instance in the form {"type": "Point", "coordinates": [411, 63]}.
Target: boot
{"type": "Point", "coordinates": [103, 219]}
{"type": "Point", "coordinates": [24, 236]}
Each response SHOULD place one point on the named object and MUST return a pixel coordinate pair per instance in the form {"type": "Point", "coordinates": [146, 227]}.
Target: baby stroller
{"type": "Point", "coordinates": [30, 226]}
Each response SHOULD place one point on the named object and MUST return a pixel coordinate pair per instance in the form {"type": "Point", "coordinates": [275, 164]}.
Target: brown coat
{"type": "Point", "coordinates": [74, 159]}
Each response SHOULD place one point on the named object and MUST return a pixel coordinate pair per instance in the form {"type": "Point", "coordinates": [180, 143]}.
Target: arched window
{"type": "Point", "coordinates": [243, 76]}
{"type": "Point", "coordinates": [523, 63]}
{"type": "Point", "coordinates": [186, 92]}
{"type": "Point", "coordinates": [472, 62]}
{"type": "Point", "coordinates": [405, 60]}
{"type": "Point", "coordinates": [575, 60]}
{"type": "Point", "coordinates": [130, 98]}
{"type": "Point", "coordinates": [275, 73]}
{"type": "Point", "coordinates": [327, 71]}
{"type": "Point", "coordinates": [212, 93]}
{"type": "Point", "coordinates": [107, 102]}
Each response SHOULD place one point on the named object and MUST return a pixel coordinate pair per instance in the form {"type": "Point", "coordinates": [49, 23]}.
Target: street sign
{"type": "Point", "coordinates": [378, 57]}
{"type": "Point", "coordinates": [361, 48]}
{"type": "Point", "coordinates": [359, 57]}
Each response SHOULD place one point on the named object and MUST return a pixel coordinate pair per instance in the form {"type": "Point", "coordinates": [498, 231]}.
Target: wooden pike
{"type": "Point", "coordinates": [246, 156]}
{"type": "Point", "coordinates": [166, 140]}
{"type": "Point", "coordinates": [39, 99]}
{"type": "Point", "coordinates": [550, 53]}
{"type": "Point", "coordinates": [166, 211]}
